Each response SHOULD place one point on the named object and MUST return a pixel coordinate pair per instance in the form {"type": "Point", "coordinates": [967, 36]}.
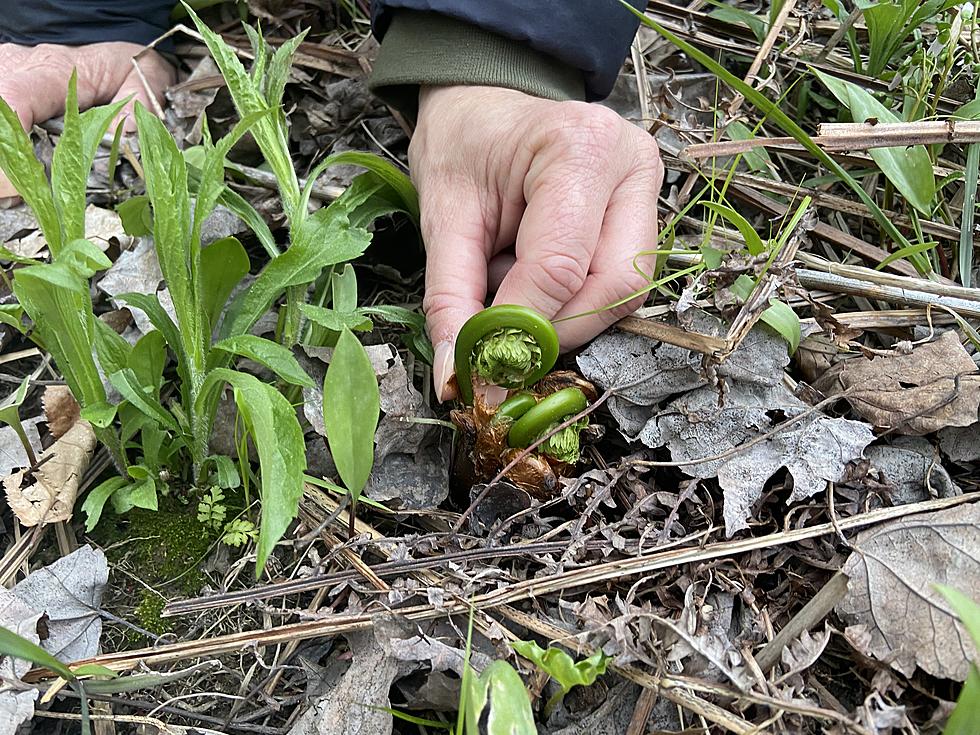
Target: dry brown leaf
{"type": "Point", "coordinates": [935, 386]}
{"type": "Point", "coordinates": [892, 607]}
{"type": "Point", "coordinates": [52, 496]}
{"type": "Point", "coordinates": [60, 409]}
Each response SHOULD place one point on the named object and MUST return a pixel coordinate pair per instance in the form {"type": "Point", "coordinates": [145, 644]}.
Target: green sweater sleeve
{"type": "Point", "coordinates": [431, 49]}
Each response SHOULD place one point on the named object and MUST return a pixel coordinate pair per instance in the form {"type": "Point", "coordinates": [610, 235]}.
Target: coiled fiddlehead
{"type": "Point", "coordinates": [510, 346]}
{"type": "Point", "coordinates": [547, 414]}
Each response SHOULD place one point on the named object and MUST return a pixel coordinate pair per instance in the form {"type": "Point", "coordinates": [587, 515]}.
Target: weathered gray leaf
{"type": "Point", "coordinates": [961, 443]}
{"type": "Point", "coordinates": [16, 706]}
{"type": "Point", "coordinates": [910, 466]}
{"type": "Point", "coordinates": [12, 454]}
{"type": "Point", "coordinates": [891, 597]}
{"type": "Point", "coordinates": [69, 591]}
{"type": "Point", "coordinates": [354, 704]}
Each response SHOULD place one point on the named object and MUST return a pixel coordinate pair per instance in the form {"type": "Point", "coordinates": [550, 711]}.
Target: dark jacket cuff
{"type": "Point", "coordinates": [431, 49]}
{"type": "Point", "coordinates": [78, 22]}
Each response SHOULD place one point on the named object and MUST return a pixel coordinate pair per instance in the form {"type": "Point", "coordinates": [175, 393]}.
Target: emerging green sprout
{"type": "Point", "coordinates": [544, 417]}
{"type": "Point", "coordinates": [510, 346]}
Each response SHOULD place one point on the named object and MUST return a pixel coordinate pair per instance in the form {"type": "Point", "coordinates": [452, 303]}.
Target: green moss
{"type": "Point", "coordinates": [165, 547]}
{"type": "Point", "coordinates": [147, 613]}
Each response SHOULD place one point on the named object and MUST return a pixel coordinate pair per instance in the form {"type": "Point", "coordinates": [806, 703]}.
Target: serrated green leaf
{"type": "Point", "coordinates": [18, 647]}
{"type": "Point", "coordinates": [113, 351]}
{"type": "Point", "coordinates": [26, 173]}
{"type": "Point", "coordinates": [325, 238]}
{"type": "Point", "coordinates": [73, 157]}
{"type": "Point", "coordinates": [272, 422]}
{"type": "Point", "coordinates": [135, 495]}
{"type": "Point", "coordinates": [752, 240]}
{"type": "Point", "coordinates": [268, 353]}
{"type": "Point", "coordinates": [909, 169]}
{"type": "Point", "coordinates": [96, 499]}
{"type": "Point", "coordinates": [351, 408]}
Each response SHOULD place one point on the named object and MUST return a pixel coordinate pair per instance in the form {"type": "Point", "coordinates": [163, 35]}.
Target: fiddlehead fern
{"type": "Point", "coordinates": [510, 346]}
{"type": "Point", "coordinates": [548, 413]}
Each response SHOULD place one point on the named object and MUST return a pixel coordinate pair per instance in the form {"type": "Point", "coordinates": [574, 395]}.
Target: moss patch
{"type": "Point", "coordinates": [148, 614]}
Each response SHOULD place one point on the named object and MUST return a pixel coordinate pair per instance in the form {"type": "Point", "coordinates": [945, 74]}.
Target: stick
{"type": "Point", "coordinates": [806, 619]}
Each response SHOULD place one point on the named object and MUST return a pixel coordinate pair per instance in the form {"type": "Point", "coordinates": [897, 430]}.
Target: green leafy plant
{"type": "Point", "coordinates": [561, 667]}
{"type": "Point", "coordinates": [965, 719]}
{"type": "Point", "coordinates": [157, 442]}
{"type": "Point", "coordinates": [351, 408]}
{"type": "Point", "coordinates": [890, 24]}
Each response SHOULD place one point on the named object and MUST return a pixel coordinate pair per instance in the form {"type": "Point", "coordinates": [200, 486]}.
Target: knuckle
{"type": "Point", "coordinates": [590, 128]}
{"type": "Point", "coordinates": [562, 275]}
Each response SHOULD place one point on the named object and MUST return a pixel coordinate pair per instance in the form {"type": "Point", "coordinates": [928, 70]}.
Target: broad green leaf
{"type": "Point", "coordinates": [58, 302]}
{"type": "Point", "coordinates": [752, 240]}
{"type": "Point", "coordinates": [96, 499]}
{"type": "Point", "coordinates": [275, 78]}
{"type": "Point", "coordinates": [135, 495]}
{"type": "Point", "coordinates": [272, 422]}
{"type": "Point", "coordinates": [8, 255]}
{"type": "Point", "coordinates": [10, 405]}
{"type": "Point", "coordinates": [501, 687]}
{"type": "Point", "coordinates": [12, 315]}
{"type": "Point", "coordinates": [783, 319]}
{"type": "Point", "coordinates": [137, 219]}
{"type": "Point", "coordinates": [18, 162]}
{"type": "Point", "coordinates": [737, 16]}
{"type": "Point", "coordinates": [94, 670]}
{"type": "Point", "coordinates": [114, 352]}
{"type": "Point", "coordinates": [73, 157]}
{"type": "Point", "coordinates": [223, 265]}
{"type": "Point", "coordinates": [100, 415]}
{"type": "Point", "coordinates": [149, 304]}
{"type": "Point", "coordinates": [325, 238]}
{"type": "Point", "coordinates": [147, 360]}
{"type": "Point", "coordinates": [226, 473]}
{"type": "Point", "coordinates": [351, 407]}
{"type": "Point", "coordinates": [84, 257]}
{"type": "Point", "coordinates": [126, 382]}
{"type": "Point", "coordinates": [909, 169]}
{"type": "Point", "coordinates": [336, 320]}
{"type": "Point", "coordinates": [343, 288]}
{"type": "Point", "coordinates": [247, 214]}
{"type": "Point", "coordinates": [15, 646]}
{"type": "Point", "coordinates": [416, 340]}
{"type": "Point", "coordinates": [268, 353]}
{"type": "Point", "coordinates": [965, 719]}
{"type": "Point", "coordinates": [561, 667]}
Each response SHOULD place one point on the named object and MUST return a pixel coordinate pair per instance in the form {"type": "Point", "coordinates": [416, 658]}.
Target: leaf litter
{"type": "Point", "coordinates": [728, 462]}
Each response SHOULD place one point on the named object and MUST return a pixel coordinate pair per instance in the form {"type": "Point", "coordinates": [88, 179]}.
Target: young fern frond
{"type": "Point", "coordinates": [506, 345]}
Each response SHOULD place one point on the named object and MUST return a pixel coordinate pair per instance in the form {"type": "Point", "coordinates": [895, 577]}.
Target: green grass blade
{"type": "Point", "coordinates": [16, 646]}
{"type": "Point", "coordinates": [971, 172]}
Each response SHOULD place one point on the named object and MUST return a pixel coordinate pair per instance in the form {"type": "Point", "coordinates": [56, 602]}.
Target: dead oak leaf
{"type": "Point", "coordinates": [891, 603]}
{"type": "Point", "coordinates": [935, 386]}
{"type": "Point", "coordinates": [52, 496]}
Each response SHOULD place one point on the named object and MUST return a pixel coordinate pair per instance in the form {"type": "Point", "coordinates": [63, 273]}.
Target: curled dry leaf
{"type": "Point", "coordinates": [934, 386]}
{"type": "Point", "coordinates": [52, 496]}
{"type": "Point", "coordinates": [891, 602]}
{"type": "Point", "coordinates": [60, 409]}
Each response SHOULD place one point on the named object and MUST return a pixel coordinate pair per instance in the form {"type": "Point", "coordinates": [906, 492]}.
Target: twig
{"type": "Point", "coordinates": [764, 50]}
{"type": "Point", "coordinates": [514, 592]}
{"type": "Point", "coordinates": [806, 619]}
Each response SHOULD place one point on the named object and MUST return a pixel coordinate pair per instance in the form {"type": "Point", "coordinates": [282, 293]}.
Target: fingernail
{"type": "Point", "coordinates": [442, 371]}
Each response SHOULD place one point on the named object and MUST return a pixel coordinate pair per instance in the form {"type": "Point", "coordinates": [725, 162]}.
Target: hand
{"type": "Point", "coordinates": [34, 81]}
{"type": "Point", "coordinates": [572, 187]}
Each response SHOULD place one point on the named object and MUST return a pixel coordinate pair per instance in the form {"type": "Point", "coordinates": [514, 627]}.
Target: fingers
{"type": "Point", "coordinates": [567, 187]}
{"type": "Point", "coordinates": [158, 75]}
{"type": "Point", "coordinates": [457, 244]}
{"type": "Point", "coordinates": [629, 227]}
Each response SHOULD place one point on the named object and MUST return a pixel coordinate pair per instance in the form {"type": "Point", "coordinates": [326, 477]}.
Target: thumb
{"type": "Point", "coordinates": [158, 75]}
{"type": "Point", "coordinates": [457, 243]}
